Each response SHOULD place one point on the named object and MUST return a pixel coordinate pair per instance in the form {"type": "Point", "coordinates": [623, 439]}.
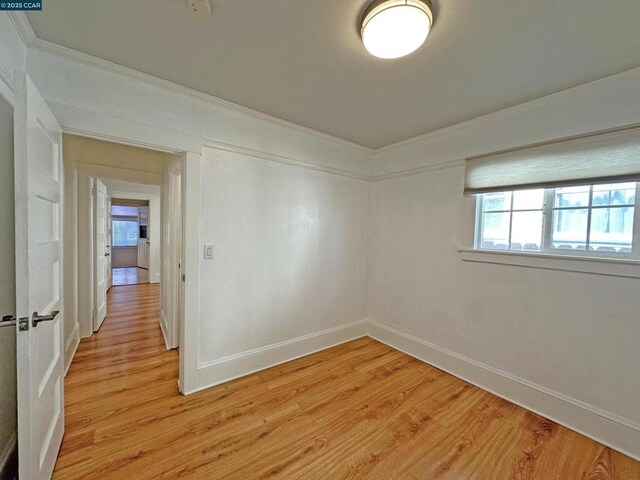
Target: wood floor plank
{"type": "Point", "coordinates": [360, 410]}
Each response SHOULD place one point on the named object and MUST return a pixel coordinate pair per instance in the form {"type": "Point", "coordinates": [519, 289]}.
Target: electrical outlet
{"type": "Point", "coordinates": [208, 252]}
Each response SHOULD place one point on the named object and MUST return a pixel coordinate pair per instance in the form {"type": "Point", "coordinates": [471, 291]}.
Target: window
{"type": "Point", "coordinates": [125, 233]}
{"type": "Point", "coordinates": [588, 220]}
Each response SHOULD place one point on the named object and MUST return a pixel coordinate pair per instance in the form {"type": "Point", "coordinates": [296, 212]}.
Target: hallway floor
{"type": "Point", "coordinates": [129, 276]}
{"type": "Point", "coordinates": [358, 410]}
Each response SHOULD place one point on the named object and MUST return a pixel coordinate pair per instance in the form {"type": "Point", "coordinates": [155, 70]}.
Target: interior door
{"type": "Point", "coordinates": [101, 254]}
{"type": "Point", "coordinates": [108, 248]}
{"type": "Point", "coordinates": [38, 200]}
{"type": "Point", "coordinates": [143, 243]}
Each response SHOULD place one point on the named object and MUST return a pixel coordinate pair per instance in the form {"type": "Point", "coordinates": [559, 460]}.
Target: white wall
{"type": "Point", "coordinates": [572, 334]}
{"type": "Point", "coordinates": [290, 253]}
{"type": "Point", "coordinates": [124, 257]}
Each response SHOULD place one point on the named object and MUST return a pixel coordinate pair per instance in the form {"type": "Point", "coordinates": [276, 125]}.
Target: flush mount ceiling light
{"type": "Point", "coordinates": [395, 28]}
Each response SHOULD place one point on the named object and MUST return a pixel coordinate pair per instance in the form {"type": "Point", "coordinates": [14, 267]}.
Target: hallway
{"type": "Point", "coordinates": [115, 376]}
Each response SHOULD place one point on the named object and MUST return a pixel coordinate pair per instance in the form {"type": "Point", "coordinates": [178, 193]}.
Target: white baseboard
{"type": "Point", "coordinates": [245, 363]}
{"type": "Point", "coordinates": [618, 433]}
{"type": "Point", "coordinates": [607, 428]}
{"type": "Point", "coordinates": [70, 347]}
{"type": "Point", "coordinates": [7, 450]}
{"type": "Point", "coordinates": [163, 327]}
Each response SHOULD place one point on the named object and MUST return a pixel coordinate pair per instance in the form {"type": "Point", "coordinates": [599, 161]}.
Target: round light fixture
{"type": "Point", "coordinates": [395, 28]}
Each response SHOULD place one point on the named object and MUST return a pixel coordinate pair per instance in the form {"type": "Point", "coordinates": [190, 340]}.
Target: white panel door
{"type": "Point", "coordinates": [101, 254]}
{"type": "Point", "coordinates": [38, 186]}
{"type": "Point", "coordinates": [109, 240]}
{"type": "Point", "coordinates": [143, 243]}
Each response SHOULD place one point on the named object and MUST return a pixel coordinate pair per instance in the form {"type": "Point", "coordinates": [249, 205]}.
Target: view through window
{"type": "Point", "coordinates": [591, 220]}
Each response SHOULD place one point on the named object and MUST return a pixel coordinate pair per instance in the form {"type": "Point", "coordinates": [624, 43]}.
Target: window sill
{"type": "Point", "coordinates": [593, 265]}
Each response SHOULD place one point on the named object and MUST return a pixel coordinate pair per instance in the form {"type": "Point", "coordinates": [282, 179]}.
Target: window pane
{"type": "Point", "coordinates": [572, 197]}
{"type": "Point", "coordinates": [495, 232]}
{"type": "Point", "coordinates": [611, 229]}
{"type": "Point", "coordinates": [570, 228]}
{"type": "Point", "coordinates": [614, 194]}
{"type": "Point", "coordinates": [528, 199]}
{"type": "Point", "coordinates": [526, 231]}
{"type": "Point", "coordinates": [124, 211]}
{"type": "Point", "coordinates": [125, 233]}
{"type": "Point", "coordinates": [496, 201]}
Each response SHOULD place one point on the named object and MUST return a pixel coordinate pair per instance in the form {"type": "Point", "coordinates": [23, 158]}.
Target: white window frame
{"type": "Point", "coordinates": [121, 218]}
{"type": "Point", "coordinates": [547, 221]}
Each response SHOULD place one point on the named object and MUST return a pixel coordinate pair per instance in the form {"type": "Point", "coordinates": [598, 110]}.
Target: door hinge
{"type": "Point", "coordinates": [183, 277]}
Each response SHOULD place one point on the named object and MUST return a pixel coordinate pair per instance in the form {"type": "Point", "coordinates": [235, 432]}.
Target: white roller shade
{"type": "Point", "coordinates": [602, 157]}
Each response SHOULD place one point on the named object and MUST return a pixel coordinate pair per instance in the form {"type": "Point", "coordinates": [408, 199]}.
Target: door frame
{"type": "Point", "coordinates": [172, 254]}
{"type": "Point", "coordinates": [100, 126]}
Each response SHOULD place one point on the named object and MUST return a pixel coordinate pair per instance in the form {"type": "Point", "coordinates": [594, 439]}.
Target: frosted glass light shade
{"type": "Point", "coordinates": [395, 28]}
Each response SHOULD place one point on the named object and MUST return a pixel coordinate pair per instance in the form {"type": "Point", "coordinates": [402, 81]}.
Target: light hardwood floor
{"type": "Point", "coordinates": [129, 275]}
{"type": "Point", "coordinates": [358, 410]}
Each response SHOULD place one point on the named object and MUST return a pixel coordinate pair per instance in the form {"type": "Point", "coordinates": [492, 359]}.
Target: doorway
{"type": "Point", "coordinates": [54, 304]}
{"type": "Point", "coordinates": [125, 225]}
{"type": "Point", "coordinates": [130, 241]}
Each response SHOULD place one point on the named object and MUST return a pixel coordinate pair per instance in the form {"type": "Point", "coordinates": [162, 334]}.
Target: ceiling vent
{"type": "Point", "coordinates": [200, 7]}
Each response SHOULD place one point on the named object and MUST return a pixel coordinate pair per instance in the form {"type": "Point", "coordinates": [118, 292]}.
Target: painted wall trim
{"type": "Point", "coordinates": [579, 264]}
{"type": "Point", "coordinates": [418, 170]}
{"type": "Point", "coordinates": [272, 157]}
{"type": "Point", "coordinates": [190, 285]}
{"type": "Point", "coordinates": [607, 428]}
{"type": "Point", "coordinates": [6, 86]}
{"type": "Point", "coordinates": [95, 62]}
{"type": "Point", "coordinates": [163, 327]}
{"type": "Point", "coordinates": [71, 346]}
{"type": "Point", "coordinates": [87, 123]}
{"type": "Point", "coordinates": [23, 27]}
{"type": "Point", "coordinates": [602, 426]}
{"type": "Point", "coordinates": [245, 363]}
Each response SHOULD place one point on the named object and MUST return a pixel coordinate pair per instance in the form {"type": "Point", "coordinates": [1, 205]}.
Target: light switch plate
{"type": "Point", "coordinates": [208, 252]}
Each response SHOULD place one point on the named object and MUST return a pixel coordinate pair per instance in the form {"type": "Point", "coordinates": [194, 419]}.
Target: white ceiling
{"type": "Point", "coordinates": [303, 61]}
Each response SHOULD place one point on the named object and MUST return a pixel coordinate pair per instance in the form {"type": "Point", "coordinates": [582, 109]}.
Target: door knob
{"type": "Point", "coordinates": [36, 319]}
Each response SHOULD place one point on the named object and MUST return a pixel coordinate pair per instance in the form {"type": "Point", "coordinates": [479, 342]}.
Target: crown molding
{"type": "Point", "coordinates": [521, 107]}
{"type": "Point", "coordinates": [27, 34]}
{"type": "Point", "coordinates": [54, 49]}
{"type": "Point", "coordinates": [418, 170]}
{"type": "Point", "coordinates": [272, 157]}
{"type": "Point", "coordinates": [23, 27]}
